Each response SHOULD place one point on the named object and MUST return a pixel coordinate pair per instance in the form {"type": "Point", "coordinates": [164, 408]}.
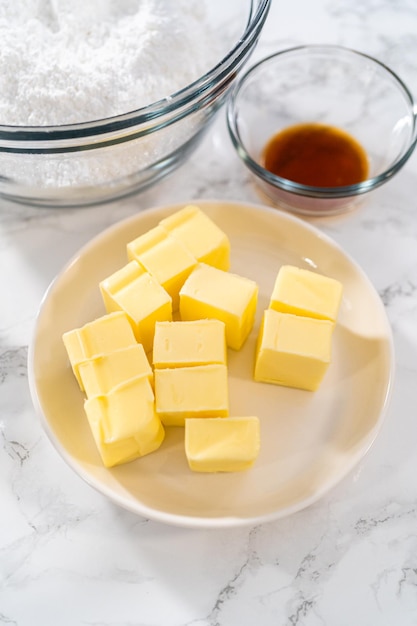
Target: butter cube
{"type": "Point", "coordinates": [124, 423]}
{"type": "Point", "coordinates": [183, 392]}
{"type": "Point", "coordinates": [292, 350]}
{"type": "Point", "coordinates": [165, 258]}
{"type": "Point", "coordinates": [222, 445]}
{"type": "Point", "coordinates": [303, 292]}
{"type": "Point", "coordinates": [137, 293]}
{"type": "Point", "coordinates": [212, 293]}
{"type": "Point", "coordinates": [102, 373]}
{"type": "Point", "coordinates": [101, 336]}
{"type": "Point", "coordinates": [179, 344]}
{"type": "Point", "coordinates": [200, 235]}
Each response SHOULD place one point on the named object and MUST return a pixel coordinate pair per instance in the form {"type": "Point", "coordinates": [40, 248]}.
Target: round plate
{"type": "Point", "coordinates": [309, 440]}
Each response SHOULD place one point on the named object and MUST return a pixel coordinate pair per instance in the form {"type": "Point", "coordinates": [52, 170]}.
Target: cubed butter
{"type": "Point", "coordinates": [200, 235]}
{"type": "Point", "coordinates": [293, 350]}
{"type": "Point", "coordinates": [102, 373]}
{"type": "Point", "coordinates": [303, 292]}
{"type": "Point", "coordinates": [212, 293]}
{"type": "Point", "coordinates": [179, 344]}
{"type": "Point", "coordinates": [100, 336]}
{"type": "Point", "coordinates": [165, 258]}
{"type": "Point", "coordinates": [136, 292]}
{"type": "Point", "coordinates": [124, 423]}
{"type": "Point", "coordinates": [222, 444]}
{"type": "Point", "coordinates": [183, 392]}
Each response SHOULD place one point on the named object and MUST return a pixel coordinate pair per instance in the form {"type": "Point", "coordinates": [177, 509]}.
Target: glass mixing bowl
{"type": "Point", "coordinates": [331, 86]}
{"type": "Point", "coordinates": [96, 161]}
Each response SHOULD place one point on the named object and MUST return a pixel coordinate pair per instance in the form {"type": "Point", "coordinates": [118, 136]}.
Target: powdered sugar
{"type": "Point", "coordinates": [70, 61]}
{"type": "Point", "coordinates": [66, 61]}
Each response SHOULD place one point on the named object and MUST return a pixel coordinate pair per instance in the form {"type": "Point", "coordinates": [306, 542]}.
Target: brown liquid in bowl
{"type": "Point", "coordinates": [316, 155]}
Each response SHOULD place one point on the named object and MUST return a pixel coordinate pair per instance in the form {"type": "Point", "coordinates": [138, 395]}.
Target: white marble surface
{"type": "Point", "coordinates": [69, 557]}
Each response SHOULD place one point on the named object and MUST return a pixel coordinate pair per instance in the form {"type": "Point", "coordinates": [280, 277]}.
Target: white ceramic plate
{"type": "Point", "coordinates": [309, 440]}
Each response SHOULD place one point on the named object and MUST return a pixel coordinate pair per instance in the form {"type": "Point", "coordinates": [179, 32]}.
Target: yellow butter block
{"type": "Point", "coordinates": [200, 235]}
{"type": "Point", "coordinates": [292, 350]}
{"type": "Point", "coordinates": [212, 293]}
{"type": "Point", "coordinates": [303, 292]}
{"type": "Point", "coordinates": [165, 258]}
{"type": "Point", "coordinates": [124, 423]}
{"type": "Point", "coordinates": [183, 392]}
{"type": "Point", "coordinates": [137, 293]}
{"type": "Point", "coordinates": [101, 374]}
{"type": "Point", "coordinates": [179, 344]}
{"type": "Point", "coordinates": [100, 336]}
{"type": "Point", "coordinates": [222, 445]}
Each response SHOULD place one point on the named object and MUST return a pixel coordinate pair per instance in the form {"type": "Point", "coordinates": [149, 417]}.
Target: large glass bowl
{"type": "Point", "coordinates": [332, 86]}
{"type": "Point", "coordinates": [95, 161]}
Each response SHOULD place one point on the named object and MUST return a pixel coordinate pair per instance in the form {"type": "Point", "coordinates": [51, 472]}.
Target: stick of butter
{"type": "Point", "coordinates": [200, 235]}
{"type": "Point", "coordinates": [124, 423]}
{"type": "Point", "coordinates": [137, 293]}
{"type": "Point", "coordinates": [101, 374]}
{"type": "Point", "coordinates": [212, 293]}
{"type": "Point", "coordinates": [199, 342]}
{"type": "Point", "coordinates": [165, 258]}
{"type": "Point", "coordinates": [222, 444]}
{"type": "Point", "coordinates": [293, 350]}
{"type": "Point", "coordinates": [198, 391]}
{"type": "Point", "coordinates": [101, 336]}
{"type": "Point", "coordinates": [307, 293]}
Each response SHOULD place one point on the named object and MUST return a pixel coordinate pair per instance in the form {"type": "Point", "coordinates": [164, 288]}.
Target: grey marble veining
{"type": "Point", "coordinates": [69, 557]}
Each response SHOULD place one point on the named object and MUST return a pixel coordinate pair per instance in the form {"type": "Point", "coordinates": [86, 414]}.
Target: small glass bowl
{"type": "Point", "coordinates": [329, 85]}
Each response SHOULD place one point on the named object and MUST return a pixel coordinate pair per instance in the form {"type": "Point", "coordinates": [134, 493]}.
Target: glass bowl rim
{"type": "Point", "coordinates": [167, 105]}
{"type": "Point", "coordinates": [290, 186]}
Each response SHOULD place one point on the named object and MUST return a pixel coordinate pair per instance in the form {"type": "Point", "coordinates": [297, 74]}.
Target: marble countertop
{"type": "Point", "coordinates": [68, 556]}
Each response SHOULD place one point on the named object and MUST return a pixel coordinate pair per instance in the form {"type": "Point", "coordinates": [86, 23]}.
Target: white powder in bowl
{"type": "Point", "coordinates": [68, 61]}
